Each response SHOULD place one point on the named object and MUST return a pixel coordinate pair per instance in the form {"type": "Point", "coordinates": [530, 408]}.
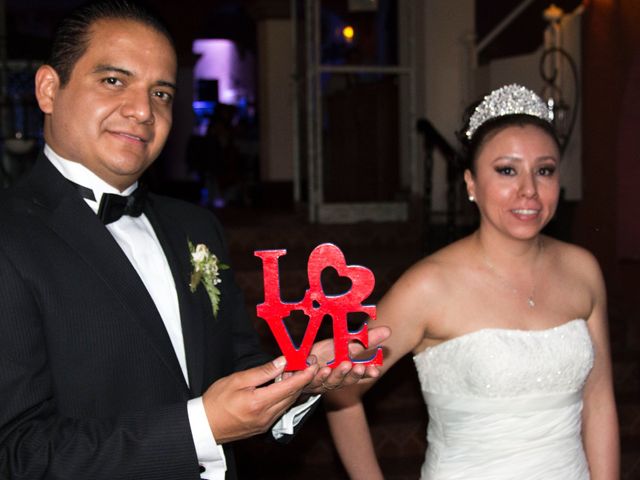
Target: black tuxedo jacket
{"type": "Point", "coordinates": [90, 387]}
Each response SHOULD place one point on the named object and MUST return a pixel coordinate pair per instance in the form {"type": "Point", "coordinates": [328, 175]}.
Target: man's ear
{"type": "Point", "coordinates": [47, 86]}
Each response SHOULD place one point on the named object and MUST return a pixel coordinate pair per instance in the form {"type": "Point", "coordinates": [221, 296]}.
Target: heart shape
{"type": "Point", "coordinates": [333, 284]}
{"type": "Point", "coordinates": [329, 257]}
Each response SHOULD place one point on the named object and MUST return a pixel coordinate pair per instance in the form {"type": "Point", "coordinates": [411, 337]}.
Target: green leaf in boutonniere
{"type": "Point", "coordinates": [206, 270]}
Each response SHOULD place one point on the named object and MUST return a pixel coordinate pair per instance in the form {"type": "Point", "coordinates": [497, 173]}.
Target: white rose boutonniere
{"type": "Point", "coordinates": [206, 269]}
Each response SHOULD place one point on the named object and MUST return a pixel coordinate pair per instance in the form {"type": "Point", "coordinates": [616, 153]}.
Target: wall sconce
{"type": "Point", "coordinates": [348, 33]}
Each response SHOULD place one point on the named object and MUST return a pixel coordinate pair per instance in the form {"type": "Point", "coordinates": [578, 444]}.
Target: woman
{"type": "Point", "coordinates": [507, 326]}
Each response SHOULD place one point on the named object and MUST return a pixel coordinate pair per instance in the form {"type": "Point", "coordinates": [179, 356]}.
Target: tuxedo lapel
{"type": "Point", "coordinates": [174, 242]}
{"type": "Point", "coordinates": [67, 214]}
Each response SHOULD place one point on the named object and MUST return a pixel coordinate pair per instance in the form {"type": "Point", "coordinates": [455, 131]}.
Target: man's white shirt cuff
{"type": "Point", "coordinates": [286, 423]}
{"type": "Point", "coordinates": [210, 454]}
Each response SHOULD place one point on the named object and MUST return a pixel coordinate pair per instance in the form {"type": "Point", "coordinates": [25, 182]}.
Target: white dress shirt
{"type": "Point", "coordinates": [138, 241]}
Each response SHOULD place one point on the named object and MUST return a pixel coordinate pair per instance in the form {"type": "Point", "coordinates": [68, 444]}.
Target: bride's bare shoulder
{"type": "Point", "coordinates": [576, 264]}
{"type": "Point", "coordinates": [432, 275]}
{"type": "Point", "coordinates": [572, 258]}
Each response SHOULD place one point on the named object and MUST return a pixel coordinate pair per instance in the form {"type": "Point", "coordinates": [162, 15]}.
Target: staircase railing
{"type": "Point", "coordinates": [433, 140]}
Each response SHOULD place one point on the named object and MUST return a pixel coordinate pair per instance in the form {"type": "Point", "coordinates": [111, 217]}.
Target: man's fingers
{"type": "Point", "coordinates": [256, 376]}
{"type": "Point", "coordinates": [289, 386]}
{"type": "Point", "coordinates": [282, 396]}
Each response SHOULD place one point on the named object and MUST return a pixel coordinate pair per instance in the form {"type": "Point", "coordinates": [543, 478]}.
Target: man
{"type": "Point", "coordinates": [110, 367]}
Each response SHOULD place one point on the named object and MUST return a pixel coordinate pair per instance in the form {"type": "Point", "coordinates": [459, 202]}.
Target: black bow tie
{"type": "Point", "coordinates": [114, 206]}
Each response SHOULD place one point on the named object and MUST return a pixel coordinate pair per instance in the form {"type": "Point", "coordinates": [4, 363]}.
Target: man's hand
{"type": "Point", "coordinates": [346, 373]}
{"type": "Point", "coordinates": [237, 406]}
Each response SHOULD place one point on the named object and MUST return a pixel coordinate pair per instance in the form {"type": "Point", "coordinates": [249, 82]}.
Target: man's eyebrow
{"type": "Point", "coordinates": [112, 68]}
{"type": "Point", "coordinates": [164, 83]}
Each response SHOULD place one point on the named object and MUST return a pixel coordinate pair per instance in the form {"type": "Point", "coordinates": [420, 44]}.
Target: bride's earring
{"type": "Point", "coordinates": [472, 198]}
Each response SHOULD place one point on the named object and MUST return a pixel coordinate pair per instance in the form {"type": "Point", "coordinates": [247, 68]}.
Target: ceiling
{"type": "Point", "coordinates": [30, 23]}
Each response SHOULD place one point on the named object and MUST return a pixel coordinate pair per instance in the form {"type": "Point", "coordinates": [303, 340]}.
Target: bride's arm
{"type": "Point", "coordinates": [351, 436]}
{"type": "Point", "coordinates": [345, 412]}
{"type": "Point", "coordinates": [600, 420]}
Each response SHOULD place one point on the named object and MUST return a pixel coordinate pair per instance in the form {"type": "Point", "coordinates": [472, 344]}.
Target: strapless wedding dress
{"type": "Point", "coordinates": [506, 404]}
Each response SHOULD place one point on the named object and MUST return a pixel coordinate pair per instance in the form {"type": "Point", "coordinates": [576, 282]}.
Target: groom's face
{"type": "Point", "coordinates": [115, 112]}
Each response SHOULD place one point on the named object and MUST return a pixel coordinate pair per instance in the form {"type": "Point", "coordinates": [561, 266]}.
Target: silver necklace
{"type": "Point", "coordinates": [531, 298]}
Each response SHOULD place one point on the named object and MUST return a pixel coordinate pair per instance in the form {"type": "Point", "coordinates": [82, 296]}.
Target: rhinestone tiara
{"type": "Point", "coordinates": [508, 100]}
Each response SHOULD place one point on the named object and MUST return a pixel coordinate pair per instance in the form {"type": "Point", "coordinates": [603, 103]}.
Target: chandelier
{"type": "Point", "coordinates": [559, 72]}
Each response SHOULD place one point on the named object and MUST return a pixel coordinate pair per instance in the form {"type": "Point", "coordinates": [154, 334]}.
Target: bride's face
{"type": "Point", "coordinates": [516, 182]}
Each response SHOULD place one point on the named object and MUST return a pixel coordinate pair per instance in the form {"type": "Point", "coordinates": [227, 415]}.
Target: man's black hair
{"type": "Point", "coordinates": [72, 35]}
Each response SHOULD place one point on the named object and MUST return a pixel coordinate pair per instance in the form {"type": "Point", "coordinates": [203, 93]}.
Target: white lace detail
{"type": "Point", "coordinates": [509, 363]}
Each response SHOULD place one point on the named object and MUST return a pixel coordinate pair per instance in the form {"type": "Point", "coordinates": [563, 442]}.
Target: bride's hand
{"type": "Point", "coordinates": [347, 373]}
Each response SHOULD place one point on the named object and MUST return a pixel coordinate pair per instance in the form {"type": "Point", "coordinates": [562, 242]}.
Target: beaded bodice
{"type": "Point", "coordinates": [507, 404]}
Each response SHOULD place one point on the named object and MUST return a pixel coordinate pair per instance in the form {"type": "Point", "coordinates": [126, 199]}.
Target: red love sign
{"type": "Point", "coordinates": [316, 304]}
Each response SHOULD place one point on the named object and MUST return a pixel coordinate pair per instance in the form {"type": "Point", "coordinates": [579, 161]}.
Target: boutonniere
{"type": "Point", "coordinates": [206, 269]}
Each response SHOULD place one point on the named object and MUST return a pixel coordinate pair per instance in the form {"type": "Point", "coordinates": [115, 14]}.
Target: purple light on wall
{"type": "Point", "coordinates": [221, 61]}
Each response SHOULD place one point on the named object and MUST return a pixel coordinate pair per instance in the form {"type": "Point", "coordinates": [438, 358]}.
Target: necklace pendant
{"type": "Point", "coordinates": [531, 302]}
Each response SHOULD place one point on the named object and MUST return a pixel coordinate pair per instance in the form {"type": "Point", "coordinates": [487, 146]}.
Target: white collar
{"type": "Point", "coordinates": [78, 173]}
